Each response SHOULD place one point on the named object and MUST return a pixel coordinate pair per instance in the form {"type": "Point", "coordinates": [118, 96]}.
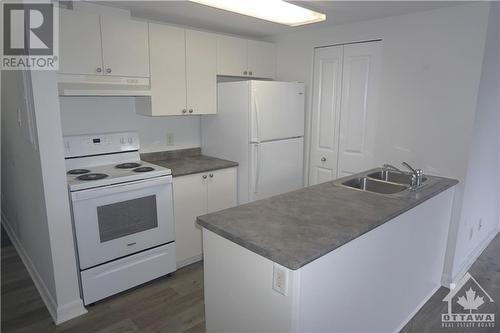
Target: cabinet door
{"type": "Point", "coordinates": [201, 72]}
{"type": "Point", "coordinates": [190, 201]}
{"type": "Point", "coordinates": [80, 43]}
{"type": "Point", "coordinates": [325, 114]}
{"type": "Point", "coordinates": [261, 59]}
{"type": "Point", "coordinates": [221, 189]}
{"type": "Point", "coordinates": [231, 56]}
{"type": "Point", "coordinates": [125, 47]}
{"type": "Point", "coordinates": [168, 70]}
{"type": "Point", "coordinates": [358, 115]}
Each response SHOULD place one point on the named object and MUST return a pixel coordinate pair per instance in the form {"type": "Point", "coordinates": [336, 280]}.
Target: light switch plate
{"type": "Point", "coordinates": [280, 279]}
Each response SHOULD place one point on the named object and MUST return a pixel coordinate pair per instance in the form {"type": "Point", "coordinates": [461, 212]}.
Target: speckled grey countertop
{"type": "Point", "coordinates": [187, 161]}
{"type": "Point", "coordinates": [298, 227]}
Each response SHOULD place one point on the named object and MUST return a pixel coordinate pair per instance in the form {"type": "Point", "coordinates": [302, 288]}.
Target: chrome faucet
{"type": "Point", "coordinates": [417, 174]}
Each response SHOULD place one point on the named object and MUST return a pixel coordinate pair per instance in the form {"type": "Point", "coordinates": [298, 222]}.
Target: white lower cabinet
{"type": "Point", "coordinates": [195, 195]}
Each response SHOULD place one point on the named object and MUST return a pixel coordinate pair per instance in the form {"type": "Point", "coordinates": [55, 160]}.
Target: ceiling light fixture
{"type": "Point", "coordinates": [278, 11]}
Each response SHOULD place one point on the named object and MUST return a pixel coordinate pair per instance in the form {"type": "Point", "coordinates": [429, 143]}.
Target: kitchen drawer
{"type": "Point", "coordinates": [119, 275]}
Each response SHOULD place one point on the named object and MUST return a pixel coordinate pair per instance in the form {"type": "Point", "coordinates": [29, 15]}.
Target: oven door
{"type": "Point", "coordinates": [118, 220]}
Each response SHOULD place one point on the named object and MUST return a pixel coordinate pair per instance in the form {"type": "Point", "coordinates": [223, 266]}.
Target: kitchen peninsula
{"type": "Point", "coordinates": [326, 258]}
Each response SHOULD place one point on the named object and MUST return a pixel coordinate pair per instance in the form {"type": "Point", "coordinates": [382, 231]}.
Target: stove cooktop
{"type": "Point", "coordinates": [109, 174]}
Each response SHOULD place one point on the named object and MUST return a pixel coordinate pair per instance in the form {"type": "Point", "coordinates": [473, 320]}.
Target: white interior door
{"type": "Point", "coordinates": [325, 114]}
{"type": "Point", "coordinates": [277, 168]}
{"type": "Point", "coordinates": [358, 119]}
{"type": "Point", "coordinates": [277, 110]}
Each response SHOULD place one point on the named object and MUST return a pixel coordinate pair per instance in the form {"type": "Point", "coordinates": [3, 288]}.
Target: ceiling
{"type": "Point", "coordinates": [203, 17]}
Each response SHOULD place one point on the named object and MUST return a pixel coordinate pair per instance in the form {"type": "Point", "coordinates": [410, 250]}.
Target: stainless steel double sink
{"type": "Point", "coordinates": [381, 181]}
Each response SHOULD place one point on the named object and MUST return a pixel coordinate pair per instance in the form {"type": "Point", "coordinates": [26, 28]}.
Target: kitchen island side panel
{"type": "Point", "coordinates": [238, 290]}
{"type": "Point", "coordinates": [378, 281]}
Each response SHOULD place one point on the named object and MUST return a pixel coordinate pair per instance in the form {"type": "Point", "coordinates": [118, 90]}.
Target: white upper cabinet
{"type": "Point", "coordinates": [261, 59]}
{"type": "Point", "coordinates": [80, 43]}
{"type": "Point", "coordinates": [125, 47]}
{"type": "Point", "coordinates": [201, 72]}
{"type": "Point", "coordinates": [231, 56]}
{"type": "Point", "coordinates": [103, 45]}
{"type": "Point", "coordinates": [242, 57]}
{"type": "Point", "coordinates": [168, 70]}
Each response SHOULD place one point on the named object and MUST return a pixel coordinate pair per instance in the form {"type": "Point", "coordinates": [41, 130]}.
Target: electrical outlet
{"type": "Point", "coordinates": [480, 224]}
{"type": "Point", "coordinates": [280, 279]}
{"type": "Point", "coordinates": [170, 139]}
{"type": "Point", "coordinates": [471, 233]}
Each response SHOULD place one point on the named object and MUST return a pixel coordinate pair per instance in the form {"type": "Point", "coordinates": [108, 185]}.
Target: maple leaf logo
{"type": "Point", "coordinates": [470, 301]}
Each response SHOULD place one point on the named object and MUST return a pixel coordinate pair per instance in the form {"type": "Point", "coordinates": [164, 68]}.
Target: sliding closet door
{"type": "Point", "coordinates": [325, 114]}
{"type": "Point", "coordinates": [359, 114]}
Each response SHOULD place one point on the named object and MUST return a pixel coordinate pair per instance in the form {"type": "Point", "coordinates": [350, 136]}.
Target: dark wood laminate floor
{"type": "Point", "coordinates": [486, 270]}
{"type": "Point", "coordinates": [168, 304]}
{"type": "Point", "coordinates": [176, 304]}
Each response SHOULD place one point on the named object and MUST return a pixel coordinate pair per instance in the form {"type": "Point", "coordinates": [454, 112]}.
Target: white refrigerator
{"type": "Point", "coordinates": [260, 125]}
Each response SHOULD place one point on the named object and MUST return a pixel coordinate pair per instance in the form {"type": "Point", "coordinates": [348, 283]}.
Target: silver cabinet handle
{"type": "Point", "coordinates": [250, 73]}
{"type": "Point", "coordinates": [190, 110]}
{"type": "Point", "coordinates": [211, 175]}
{"type": "Point", "coordinates": [204, 176]}
{"type": "Point", "coordinates": [98, 69]}
{"type": "Point", "coordinates": [108, 70]}
{"type": "Point", "coordinates": [245, 73]}
{"type": "Point", "coordinates": [323, 159]}
{"type": "Point", "coordinates": [184, 110]}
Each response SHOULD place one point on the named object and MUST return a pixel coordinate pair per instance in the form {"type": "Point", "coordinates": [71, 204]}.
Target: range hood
{"type": "Point", "coordinates": [102, 85]}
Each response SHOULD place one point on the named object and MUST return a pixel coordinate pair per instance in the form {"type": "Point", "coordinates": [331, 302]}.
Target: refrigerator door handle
{"type": "Point", "coordinates": [258, 167]}
{"type": "Point", "coordinates": [257, 118]}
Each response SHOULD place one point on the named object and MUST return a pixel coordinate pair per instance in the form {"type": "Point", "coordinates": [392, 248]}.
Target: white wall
{"type": "Point", "coordinates": [35, 204]}
{"type": "Point", "coordinates": [429, 81]}
{"type": "Point", "coordinates": [84, 115]}
{"type": "Point", "coordinates": [482, 191]}
{"type": "Point", "coordinates": [431, 69]}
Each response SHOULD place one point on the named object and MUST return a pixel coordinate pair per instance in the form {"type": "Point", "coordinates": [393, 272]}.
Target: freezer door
{"type": "Point", "coordinates": [277, 110]}
{"type": "Point", "coordinates": [276, 167]}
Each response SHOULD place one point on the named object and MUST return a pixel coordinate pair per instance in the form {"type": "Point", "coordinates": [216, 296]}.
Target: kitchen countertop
{"type": "Point", "coordinates": [298, 227]}
{"type": "Point", "coordinates": [187, 161]}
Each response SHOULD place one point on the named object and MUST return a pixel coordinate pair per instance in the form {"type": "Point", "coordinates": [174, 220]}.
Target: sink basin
{"type": "Point", "coordinates": [394, 177]}
{"type": "Point", "coordinates": [372, 185]}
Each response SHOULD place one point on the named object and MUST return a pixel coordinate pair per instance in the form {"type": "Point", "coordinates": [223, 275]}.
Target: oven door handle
{"type": "Point", "coordinates": [119, 188]}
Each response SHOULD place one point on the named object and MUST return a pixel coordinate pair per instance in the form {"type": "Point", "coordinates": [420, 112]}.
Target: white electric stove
{"type": "Point", "coordinates": [122, 213]}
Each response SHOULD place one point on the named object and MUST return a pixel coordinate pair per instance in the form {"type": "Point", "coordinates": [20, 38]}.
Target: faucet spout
{"type": "Point", "coordinates": [410, 168]}
{"type": "Point", "coordinates": [392, 167]}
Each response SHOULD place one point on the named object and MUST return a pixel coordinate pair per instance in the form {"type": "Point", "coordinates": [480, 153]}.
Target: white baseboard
{"type": "Point", "coordinates": [449, 279]}
{"type": "Point", "coordinates": [59, 313]}
{"type": "Point", "coordinates": [414, 312]}
{"type": "Point", "coordinates": [189, 261]}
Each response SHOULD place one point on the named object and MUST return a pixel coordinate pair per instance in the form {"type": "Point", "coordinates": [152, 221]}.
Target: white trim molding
{"type": "Point", "coordinates": [59, 313]}
{"type": "Point", "coordinates": [449, 280]}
